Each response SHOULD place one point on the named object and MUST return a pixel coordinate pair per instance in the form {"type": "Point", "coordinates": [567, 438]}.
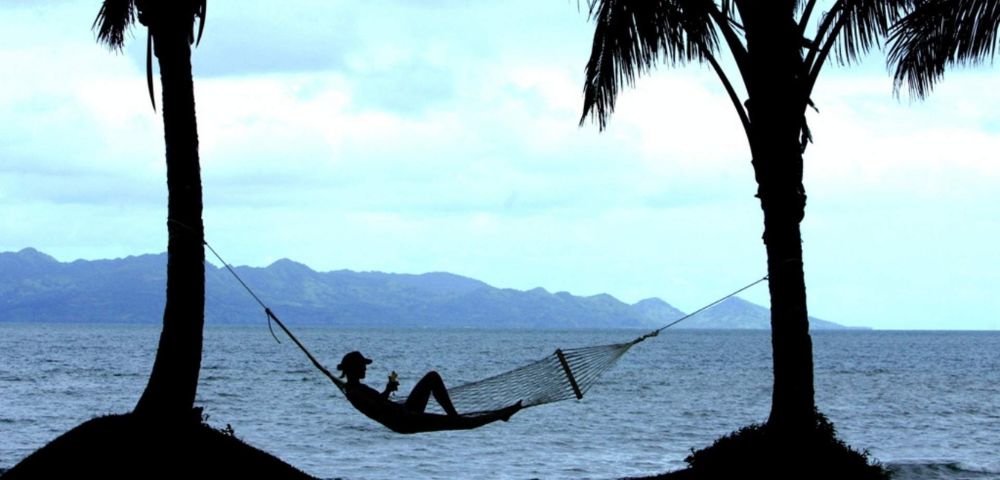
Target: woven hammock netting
{"type": "Point", "coordinates": [563, 375]}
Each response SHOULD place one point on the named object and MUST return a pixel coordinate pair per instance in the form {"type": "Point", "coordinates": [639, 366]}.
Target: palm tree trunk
{"type": "Point", "coordinates": [782, 199]}
{"type": "Point", "coordinates": [793, 403]}
{"type": "Point", "coordinates": [776, 115]}
{"type": "Point", "coordinates": [170, 393]}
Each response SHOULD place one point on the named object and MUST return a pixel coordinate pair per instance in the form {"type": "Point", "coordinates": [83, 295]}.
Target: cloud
{"type": "Point", "coordinates": [86, 138]}
{"type": "Point", "coordinates": [253, 37]}
{"type": "Point", "coordinates": [263, 138]}
{"type": "Point", "coordinates": [408, 87]}
{"type": "Point", "coordinates": [870, 146]}
{"type": "Point", "coordinates": [404, 137]}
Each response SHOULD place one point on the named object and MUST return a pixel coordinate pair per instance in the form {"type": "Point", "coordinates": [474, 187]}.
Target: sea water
{"type": "Point", "coordinates": [927, 404]}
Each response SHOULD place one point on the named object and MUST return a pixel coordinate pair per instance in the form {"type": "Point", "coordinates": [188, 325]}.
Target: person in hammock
{"type": "Point", "coordinates": [410, 416]}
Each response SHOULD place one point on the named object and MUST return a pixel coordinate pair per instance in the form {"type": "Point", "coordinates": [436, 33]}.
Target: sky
{"type": "Point", "coordinates": [443, 135]}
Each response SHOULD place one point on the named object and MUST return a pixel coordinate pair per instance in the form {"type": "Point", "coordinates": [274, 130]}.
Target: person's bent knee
{"type": "Point", "coordinates": [433, 375]}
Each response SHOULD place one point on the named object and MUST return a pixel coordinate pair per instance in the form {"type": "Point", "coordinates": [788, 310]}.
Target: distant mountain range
{"type": "Point", "coordinates": [35, 287]}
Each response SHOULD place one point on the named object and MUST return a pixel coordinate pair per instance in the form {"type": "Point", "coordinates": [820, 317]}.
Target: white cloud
{"type": "Point", "coordinates": [882, 147]}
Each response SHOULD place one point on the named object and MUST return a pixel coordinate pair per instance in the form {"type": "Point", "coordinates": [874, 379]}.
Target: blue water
{"type": "Point", "coordinates": [927, 404]}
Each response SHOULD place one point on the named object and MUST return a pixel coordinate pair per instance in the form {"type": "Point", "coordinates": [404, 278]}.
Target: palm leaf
{"type": "Point", "coordinates": [851, 29]}
{"type": "Point", "coordinates": [632, 35]}
{"type": "Point", "coordinates": [940, 33]}
{"type": "Point", "coordinates": [149, 68]}
{"type": "Point", "coordinates": [200, 8]}
{"type": "Point", "coordinates": [113, 20]}
{"type": "Point", "coordinates": [865, 24]}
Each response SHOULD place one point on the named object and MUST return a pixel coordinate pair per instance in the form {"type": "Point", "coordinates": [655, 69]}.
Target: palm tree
{"type": "Point", "coordinates": [170, 393]}
{"type": "Point", "coordinates": [164, 431]}
{"type": "Point", "coordinates": [940, 33]}
{"type": "Point", "coordinates": [777, 63]}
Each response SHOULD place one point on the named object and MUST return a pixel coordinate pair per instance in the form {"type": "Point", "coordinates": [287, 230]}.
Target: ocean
{"type": "Point", "coordinates": [926, 404]}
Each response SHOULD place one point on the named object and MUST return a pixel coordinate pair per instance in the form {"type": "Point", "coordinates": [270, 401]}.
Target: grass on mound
{"type": "Point", "coordinates": [122, 446]}
{"type": "Point", "coordinates": [757, 451]}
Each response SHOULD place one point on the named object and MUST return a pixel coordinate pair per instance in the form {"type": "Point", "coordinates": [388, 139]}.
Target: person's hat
{"type": "Point", "coordinates": [353, 359]}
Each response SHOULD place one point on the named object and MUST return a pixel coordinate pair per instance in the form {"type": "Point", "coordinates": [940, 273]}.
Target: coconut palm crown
{"type": "Point", "coordinates": [116, 17]}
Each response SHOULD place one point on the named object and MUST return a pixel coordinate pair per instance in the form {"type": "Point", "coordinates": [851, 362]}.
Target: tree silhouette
{"type": "Point", "coordinates": [164, 436]}
{"type": "Point", "coordinates": [941, 33]}
{"type": "Point", "coordinates": [777, 64]}
{"type": "Point", "coordinates": [170, 393]}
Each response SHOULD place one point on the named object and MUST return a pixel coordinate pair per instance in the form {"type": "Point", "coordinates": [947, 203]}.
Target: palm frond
{"type": "Point", "coordinates": [805, 11]}
{"type": "Point", "coordinates": [728, 8]}
{"type": "Point", "coordinates": [149, 69]}
{"type": "Point", "coordinates": [630, 36]}
{"type": "Point", "coordinates": [940, 33]}
{"type": "Point", "coordinates": [200, 8]}
{"type": "Point", "coordinates": [862, 25]}
{"type": "Point", "coordinates": [113, 21]}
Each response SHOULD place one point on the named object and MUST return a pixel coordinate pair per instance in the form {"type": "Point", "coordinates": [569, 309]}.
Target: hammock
{"type": "Point", "coordinates": [565, 374]}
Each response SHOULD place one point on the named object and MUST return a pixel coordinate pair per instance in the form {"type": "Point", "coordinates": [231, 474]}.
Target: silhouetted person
{"type": "Point", "coordinates": [410, 416]}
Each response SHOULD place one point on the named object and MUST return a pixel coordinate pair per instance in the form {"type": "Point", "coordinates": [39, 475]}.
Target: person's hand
{"type": "Point", "coordinates": [393, 383]}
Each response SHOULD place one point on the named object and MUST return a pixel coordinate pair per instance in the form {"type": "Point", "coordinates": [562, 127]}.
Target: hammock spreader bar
{"type": "Point", "coordinates": [569, 374]}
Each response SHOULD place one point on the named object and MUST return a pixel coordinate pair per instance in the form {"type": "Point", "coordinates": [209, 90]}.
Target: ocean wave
{"type": "Point", "coordinates": [917, 470]}
{"type": "Point", "coordinates": [298, 371]}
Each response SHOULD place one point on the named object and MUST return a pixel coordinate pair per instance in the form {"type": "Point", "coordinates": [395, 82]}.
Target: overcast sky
{"type": "Point", "coordinates": [442, 136]}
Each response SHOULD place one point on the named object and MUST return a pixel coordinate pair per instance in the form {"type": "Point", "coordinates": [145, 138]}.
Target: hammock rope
{"type": "Point", "coordinates": [563, 375]}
